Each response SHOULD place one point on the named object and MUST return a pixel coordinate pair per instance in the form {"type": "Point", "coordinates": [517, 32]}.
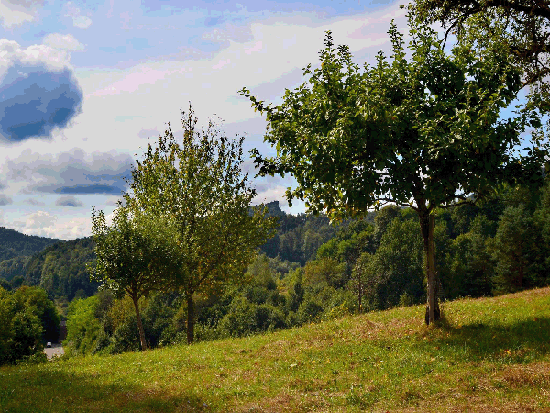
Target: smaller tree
{"type": "Point", "coordinates": [199, 185]}
{"type": "Point", "coordinates": [133, 255]}
{"type": "Point", "coordinates": [359, 277]}
{"type": "Point", "coordinates": [83, 328]}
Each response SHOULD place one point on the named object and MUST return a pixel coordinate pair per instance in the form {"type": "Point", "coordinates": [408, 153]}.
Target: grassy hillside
{"type": "Point", "coordinates": [490, 355]}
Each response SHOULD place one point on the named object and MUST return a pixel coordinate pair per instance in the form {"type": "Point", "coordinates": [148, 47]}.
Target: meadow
{"type": "Point", "coordinates": [487, 354]}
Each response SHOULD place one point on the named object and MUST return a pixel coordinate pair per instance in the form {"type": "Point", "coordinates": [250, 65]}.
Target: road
{"type": "Point", "coordinates": [55, 350]}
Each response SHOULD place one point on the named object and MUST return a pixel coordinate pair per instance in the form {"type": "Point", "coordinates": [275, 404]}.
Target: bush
{"type": "Point", "coordinates": [83, 329]}
{"type": "Point", "coordinates": [35, 358]}
{"type": "Point", "coordinates": [309, 311]}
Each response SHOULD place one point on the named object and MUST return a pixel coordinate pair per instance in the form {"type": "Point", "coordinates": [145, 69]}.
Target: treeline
{"type": "Point", "coordinates": [497, 247]}
{"type": "Point", "coordinates": [59, 269]}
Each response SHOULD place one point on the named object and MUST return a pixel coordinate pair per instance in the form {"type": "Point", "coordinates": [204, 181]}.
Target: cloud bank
{"type": "Point", "coordinates": [69, 173]}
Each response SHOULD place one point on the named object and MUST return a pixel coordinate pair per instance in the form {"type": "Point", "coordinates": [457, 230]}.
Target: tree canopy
{"type": "Point", "coordinates": [423, 132]}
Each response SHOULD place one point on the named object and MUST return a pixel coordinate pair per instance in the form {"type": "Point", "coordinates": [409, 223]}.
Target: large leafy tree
{"type": "Point", "coordinates": [198, 183]}
{"type": "Point", "coordinates": [521, 26]}
{"type": "Point", "coordinates": [424, 132]}
{"type": "Point", "coordinates": [133, 255]}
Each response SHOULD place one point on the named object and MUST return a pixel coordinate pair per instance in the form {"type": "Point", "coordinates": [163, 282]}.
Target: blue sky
{"type": "Point", "coordinates": [84, 84]}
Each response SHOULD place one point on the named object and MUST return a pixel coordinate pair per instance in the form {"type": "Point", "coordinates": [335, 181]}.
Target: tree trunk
{"type": "Point", "coordinates": [190, 318]}
{"type": "Point", "coordinates": [139, 325]}
{"type": "Point", "coordinates": [427, 225]}
{"type": "Point", "coordinates": [360, 295]}
{"type": "Point", "coordinates": [521, 265]}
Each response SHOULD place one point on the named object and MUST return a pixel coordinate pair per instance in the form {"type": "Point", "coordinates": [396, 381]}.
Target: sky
{"type": "Point", "coordinates": [86, 85]}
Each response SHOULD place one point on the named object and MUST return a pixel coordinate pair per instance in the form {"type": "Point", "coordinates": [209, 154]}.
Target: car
{"type": "Point", "coordinates": [49, 344]}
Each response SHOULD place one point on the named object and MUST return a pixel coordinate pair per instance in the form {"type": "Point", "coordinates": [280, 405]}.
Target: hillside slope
{"type": "Point", "coordinates": [15, 244]}
{"type": "Point", "coordinates": [490, 354]}
{"type": "Point", "coordinates": [61, 269]}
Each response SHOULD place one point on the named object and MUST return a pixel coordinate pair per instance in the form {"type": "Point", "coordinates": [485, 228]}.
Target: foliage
{"type": "Point", "coordinates": [13, 267]}
{"type": "Point", "coordinates": [298, 237]}
{"type": "Point", "coordinates": [396, 268]}
{"type": "Point", "coordinates": [471, 268]}
{"type": "Point", "coordinates": [29, 320]}
{"type": "Point", "coordinates": [520, 27]}
{"type": "Point", "coordinates": [336, 283]}
{"type": "Point", "coordinates": [511, 249]}
{"type": "Point", "coordinates": [199, 185]}
{"type": "Point", "coordinates": [83, 328]}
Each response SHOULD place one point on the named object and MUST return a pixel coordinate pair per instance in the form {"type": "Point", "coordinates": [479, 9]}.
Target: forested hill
{"type": "Point", "coordinates": [300, 236]}
{"type": "Point", "coordinates": [55, 265]}
{"type": "Point", "coordinates": [15, 244]}
{"type": "Point", "coordinates": [59, 266]}
{"type": "Point", "coordinates": [61, 269]}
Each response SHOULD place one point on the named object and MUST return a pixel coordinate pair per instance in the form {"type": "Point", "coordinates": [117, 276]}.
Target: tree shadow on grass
{"type": "Point", "coordinates": [35, 389]}
{"type": "Point", "coordinates": [521, 342]}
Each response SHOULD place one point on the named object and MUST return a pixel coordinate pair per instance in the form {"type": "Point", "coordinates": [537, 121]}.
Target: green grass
{"type": "Point", "coordinates": [490, 354]}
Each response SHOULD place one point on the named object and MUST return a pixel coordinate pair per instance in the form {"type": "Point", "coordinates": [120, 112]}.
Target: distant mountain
{"type": "Point", "coordinates": [15, 244]}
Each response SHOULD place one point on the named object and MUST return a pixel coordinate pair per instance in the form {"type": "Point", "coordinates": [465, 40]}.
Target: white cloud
{"type": "Point", "coordinates": [17, 12]}
{"type": "Point", "coordinates": [268, 54]}
{"type": "Point", "coordinates": [33, 202]}
{"type": "Point", "coordinates": [11, 54]}
{"type": "Point", "coordinates": [268, 194]}
{"type": "Point", "coordinates": [228, 32]}
{"type": "Point", "coordinates": [113, 200]}
{"type": "Point", "coordinates": [79, 20]}
{"type": "Point", "coordinates": [44, 224]}
{"type": "Point", "coordinates": [62, 42]}
{"type": "Point", "coordinates": [40, 220]}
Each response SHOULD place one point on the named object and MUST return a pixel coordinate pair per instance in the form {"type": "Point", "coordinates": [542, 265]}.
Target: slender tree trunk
{"type": "Point", "coordinates": [427, 226]}
{"type": "Point", "coordinates": [139, 324]}
{"type": "Point", "coordinates": [360, 294]}
{"type": "Point", "coordinates": [190, 318]}
{"type": "Point", "coordinates": [521, 263]}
